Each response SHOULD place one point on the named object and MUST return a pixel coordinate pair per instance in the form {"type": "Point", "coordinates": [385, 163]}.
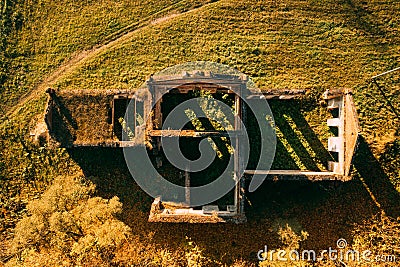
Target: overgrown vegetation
{"type": "Point", "coordinates": [70, 225]}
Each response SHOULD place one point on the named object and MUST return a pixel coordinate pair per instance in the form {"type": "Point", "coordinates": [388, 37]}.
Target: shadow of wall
{"type": "Point", "coordinates": [326, 210]}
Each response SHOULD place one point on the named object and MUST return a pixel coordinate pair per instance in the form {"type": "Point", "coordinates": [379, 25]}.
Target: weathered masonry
{"type": "Point", "coordinates": [85, 118]}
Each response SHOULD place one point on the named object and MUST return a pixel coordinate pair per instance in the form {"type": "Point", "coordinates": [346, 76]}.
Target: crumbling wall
{"type": "Point", "coordinates": [78, 118]}
{"type": "Point", "coordinates": [352, 130]}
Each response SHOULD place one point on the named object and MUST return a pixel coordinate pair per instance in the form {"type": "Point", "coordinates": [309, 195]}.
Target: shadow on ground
{"type": "Point", "coordinates": [326, 210]}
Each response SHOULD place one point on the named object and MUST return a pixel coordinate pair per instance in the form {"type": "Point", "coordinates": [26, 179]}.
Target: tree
{"type": "Point", "coordinates": [69, 224]}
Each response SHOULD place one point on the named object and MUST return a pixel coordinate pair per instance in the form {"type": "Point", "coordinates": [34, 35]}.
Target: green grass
{"type": "Point", "coordinates": [41, 36]}
{"type": "Point", "coordinates": [299, 44]}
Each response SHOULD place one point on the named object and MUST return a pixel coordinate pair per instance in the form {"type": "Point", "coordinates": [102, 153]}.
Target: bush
{"type": "Point", "coordinates": [69, 224]}
{"type": "Point", "coordinates": [291, 241]}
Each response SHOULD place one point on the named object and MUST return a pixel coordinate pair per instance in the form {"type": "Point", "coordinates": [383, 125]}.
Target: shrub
{"type": "Point", "coordinates": [69, 224]}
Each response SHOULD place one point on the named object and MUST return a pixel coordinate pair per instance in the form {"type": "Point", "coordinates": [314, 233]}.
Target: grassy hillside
{"type": "Point", "coordinates": [40, 36]}
{"type": "Point", "coordinates": [310, 44]}
{"type": "Point", "coordinates": [298, 44]}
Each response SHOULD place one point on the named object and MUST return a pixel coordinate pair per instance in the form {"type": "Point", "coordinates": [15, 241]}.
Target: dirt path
{"type": "Point", "coordinates": [79, 58]}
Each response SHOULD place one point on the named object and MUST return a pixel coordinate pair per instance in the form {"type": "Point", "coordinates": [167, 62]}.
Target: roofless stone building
{"type": "Point", "coordinates": [124, 119]}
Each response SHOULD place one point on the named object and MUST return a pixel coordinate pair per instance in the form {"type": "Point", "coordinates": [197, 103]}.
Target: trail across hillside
{"type": "Point", "coordinates": [111, 41]}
